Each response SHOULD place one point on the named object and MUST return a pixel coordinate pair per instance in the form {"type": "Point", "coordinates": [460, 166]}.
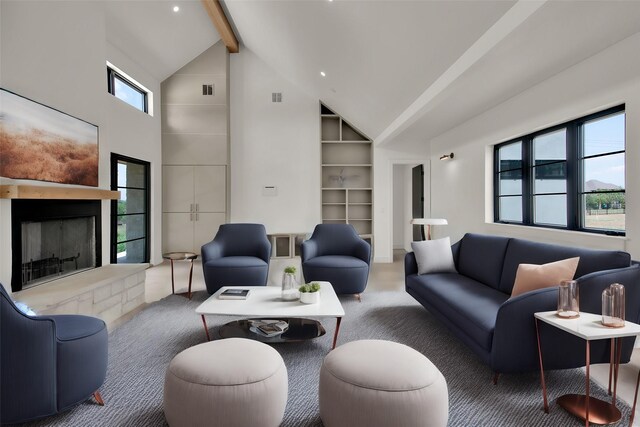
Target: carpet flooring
{"type": "Point", "coordinates": [141, 349]}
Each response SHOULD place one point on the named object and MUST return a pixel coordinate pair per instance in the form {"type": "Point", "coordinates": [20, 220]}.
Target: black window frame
{"type": "Point", "coordinates": [112, 75]}
{"type": "Point", "coordinates": [113, 249]}
{"type": "Point", "coordinates": [574, 174]}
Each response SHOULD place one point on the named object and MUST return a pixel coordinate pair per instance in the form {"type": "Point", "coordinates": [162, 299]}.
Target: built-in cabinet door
{"type": "Point", "coordinates": [206, 227]}
{"type": "Point", "coordinates": [210, 183]}
{"type": "Point", "coordinates": [177, 182]}
{"type": "Point", "coordinates": [177, 232]}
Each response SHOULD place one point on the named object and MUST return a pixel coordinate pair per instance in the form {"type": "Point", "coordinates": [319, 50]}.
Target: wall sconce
{"type": "Point", "coordinates": [446, 156]}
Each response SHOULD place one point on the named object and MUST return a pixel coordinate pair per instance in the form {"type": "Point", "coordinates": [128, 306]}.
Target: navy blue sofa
{"type": "Point", "coordinates": [237, 256]}
{"type": "Point", "coordinates": [475, 303]}
{"type": "Point", "coordinates": [336, 254]}
{"type": "Point", "coordinates": [48, 364]}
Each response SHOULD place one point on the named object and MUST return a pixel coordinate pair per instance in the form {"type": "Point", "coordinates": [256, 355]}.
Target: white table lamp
{"type": "Point", "coordinates": [428, 222]}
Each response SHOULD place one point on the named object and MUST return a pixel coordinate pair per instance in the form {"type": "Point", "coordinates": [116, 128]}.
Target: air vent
{"type": "Point", "coordinates": [276, 97]}
{"type": "Point", "coordinates": [207, 90]}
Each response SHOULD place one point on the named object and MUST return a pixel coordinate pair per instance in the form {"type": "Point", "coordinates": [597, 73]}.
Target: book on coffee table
{"type": "Point", "coordinates": [269, 327]}
{"type": "Point", "coordinates": [234, 294]}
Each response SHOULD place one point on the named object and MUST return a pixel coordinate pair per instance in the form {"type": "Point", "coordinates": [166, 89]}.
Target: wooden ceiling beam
{"type": "Point", "coordinates": [220, 21]}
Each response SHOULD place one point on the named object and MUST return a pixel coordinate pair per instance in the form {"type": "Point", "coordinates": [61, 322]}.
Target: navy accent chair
{"type": "Point", "coordinates": [237, 256]}
{"type": "Point", "coordinates": [48, 363]}
{"type": "Point", "coordinates": [335, 253]}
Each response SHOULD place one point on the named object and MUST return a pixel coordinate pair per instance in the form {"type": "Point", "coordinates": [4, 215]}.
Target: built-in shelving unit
{"type": "Point", "coordinates": [347, 179]}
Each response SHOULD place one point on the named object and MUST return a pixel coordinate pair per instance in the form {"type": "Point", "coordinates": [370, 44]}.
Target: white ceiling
{"type": "Point", "coordinates": [382, 56]}
{"type": "Point", "coordinates": [163, 40]}
{"type": "Point", "coordinates": [378, 55]}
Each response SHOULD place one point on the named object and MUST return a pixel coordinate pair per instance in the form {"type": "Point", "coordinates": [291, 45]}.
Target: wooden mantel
{"type": "Point", "coordinates": [50, 192]}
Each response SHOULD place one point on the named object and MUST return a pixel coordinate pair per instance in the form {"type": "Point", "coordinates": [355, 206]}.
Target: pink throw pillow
{"type": "Point", "coordinates": [530, 277]}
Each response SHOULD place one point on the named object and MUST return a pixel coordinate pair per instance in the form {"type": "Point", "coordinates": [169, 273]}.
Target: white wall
{"type": "Point", "coordinates": [399, 202]}
{"type": "Point", "coordinates": [55, 53]}
{"type": "Point", "coordinates": [383, 162]}
{"type": "Point", "coordinates": [273, 144]}
{"type": "Point", "coordinates": [462, 188]}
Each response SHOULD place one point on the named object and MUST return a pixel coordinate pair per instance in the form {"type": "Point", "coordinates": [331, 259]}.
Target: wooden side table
{"type": "Point", "coordinates": [590, 328]}
{"type": "Point", "coordinates": [181, 256]}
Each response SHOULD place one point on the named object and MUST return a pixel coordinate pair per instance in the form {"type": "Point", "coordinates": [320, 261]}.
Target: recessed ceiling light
{"type": "Point", "coordinates": [176, 8]}
{"type": "Point", "coordinates": [323, 74]}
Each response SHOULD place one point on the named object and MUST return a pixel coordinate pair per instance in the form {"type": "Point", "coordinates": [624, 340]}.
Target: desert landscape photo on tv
{"type": "Point", "coordinates": [40, 143]}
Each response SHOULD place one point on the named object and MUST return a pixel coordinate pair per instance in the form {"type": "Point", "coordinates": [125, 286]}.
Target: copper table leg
{"type": "Point", "coordinates": [206, 330]}
{"type": "Point", "coordinates": [173, 286]}
{"type": "Point", "coordinates": [635, 400]}
{"type": "Point", "coordinates": [588, 408]}
{"type": "Point", "coordinates": [542, 383]}
{"type": "Point", "coordinates": [190, 278]}
{"type": "Point", "coordinates": [335, 334]}
{"type": "Point", "coordinates": [611, 359]}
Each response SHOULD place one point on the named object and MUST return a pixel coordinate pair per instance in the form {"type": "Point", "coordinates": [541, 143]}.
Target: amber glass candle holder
{"type": "Point", "coordinates": [613, 306]}
{"type": "Point", "coordinates": [568, 300]}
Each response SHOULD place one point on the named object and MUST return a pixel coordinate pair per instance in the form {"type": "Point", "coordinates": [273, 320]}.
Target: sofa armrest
{"type": "Point", "coordinates": [591, 286]}
{"type": "Point", "coordinates": [410, 265]}
{"type": "Point", "coordinates": [264, 249]}
{"type": "Point", "coordinates": [211, 250]}
{"type": "Point", "coordinates": [362, 250]}
{"type": "Point", "coordinates": [308, 250]}
{"type": "Point", "coordinates": [515, 346]}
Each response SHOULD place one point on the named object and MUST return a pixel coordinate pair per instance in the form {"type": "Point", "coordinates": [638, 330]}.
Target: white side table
{"type": "Point", "coordinates": [590, 328]}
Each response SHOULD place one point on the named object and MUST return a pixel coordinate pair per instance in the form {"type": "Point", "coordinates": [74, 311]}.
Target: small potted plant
{"type": "Point", "coordinates": [310, 293]}
{"type": "Point", "coordinates": [289, 284]}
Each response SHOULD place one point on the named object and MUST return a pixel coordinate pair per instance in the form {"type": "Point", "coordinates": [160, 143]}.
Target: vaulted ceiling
{"type": "Point", "coordinates": [406, 71]}
{"type": "Point", "coordinates": [402, 71]}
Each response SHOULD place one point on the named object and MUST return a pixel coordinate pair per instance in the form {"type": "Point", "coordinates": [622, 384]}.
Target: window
{"type": "Point", "coordinates": [126, 89]}
{"type": "Point", "coordinates": [570, 176]}
{"type": "Point", "coordinates": [130, 214]}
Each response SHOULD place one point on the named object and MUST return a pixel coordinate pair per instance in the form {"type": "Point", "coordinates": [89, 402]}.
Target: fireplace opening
{"type": "Point", "coordinates": [56, 248]}
{"type": "Point", "coordinates": [52, 239]}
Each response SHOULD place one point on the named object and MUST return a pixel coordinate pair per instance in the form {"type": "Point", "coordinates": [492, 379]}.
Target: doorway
{"type": "Point", "coordinates": [417, 200]}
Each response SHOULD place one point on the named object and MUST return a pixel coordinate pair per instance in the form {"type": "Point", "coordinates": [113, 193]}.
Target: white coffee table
{"type": "Point", "coordinates": [265, 302]}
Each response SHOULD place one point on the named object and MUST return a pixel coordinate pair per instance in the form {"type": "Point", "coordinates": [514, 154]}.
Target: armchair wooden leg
{"type": "Point", "coordinates": [359, 297]}
{"type": "Point", "coordinates": [496, 375]}
{"type": "Point", "coordinates": [98, 398]}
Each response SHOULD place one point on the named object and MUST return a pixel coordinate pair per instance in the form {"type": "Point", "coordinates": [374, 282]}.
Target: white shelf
{"type": "Point", "coordinates": [347, 163]}
{"type": "Point", "coordinates": [346, 142]}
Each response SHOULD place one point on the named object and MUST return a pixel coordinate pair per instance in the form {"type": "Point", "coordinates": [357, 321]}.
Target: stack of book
{"type": "Point", "coordinates": [269, 327]}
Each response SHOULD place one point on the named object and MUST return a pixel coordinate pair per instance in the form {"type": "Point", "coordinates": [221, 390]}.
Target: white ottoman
{"type": "Point", "coordinates": [381, 383]}
{"type": "Point", "coordinates": [230, 382]}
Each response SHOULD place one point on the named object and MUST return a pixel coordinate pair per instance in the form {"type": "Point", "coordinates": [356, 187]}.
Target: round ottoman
{"type": "Point", "coordinates": [381, 383]}
{"type": "Point", "coordinates": [229, 382]}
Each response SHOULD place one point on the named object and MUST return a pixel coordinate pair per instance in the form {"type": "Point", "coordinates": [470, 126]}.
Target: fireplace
{"type": "Point", "coordinates": [52, 239]}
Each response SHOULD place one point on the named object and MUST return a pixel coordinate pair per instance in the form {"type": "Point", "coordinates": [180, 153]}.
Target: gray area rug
{"type": "Point", "coordinates": [141, 349]}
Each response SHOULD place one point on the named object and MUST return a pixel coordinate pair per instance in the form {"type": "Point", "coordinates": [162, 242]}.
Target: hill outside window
{"type": "Point", "coordinates": [570, 176]}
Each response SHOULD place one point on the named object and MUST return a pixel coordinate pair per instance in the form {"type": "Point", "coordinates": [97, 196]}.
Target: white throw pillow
{"type": "Point", "coordinates": [434, 256]}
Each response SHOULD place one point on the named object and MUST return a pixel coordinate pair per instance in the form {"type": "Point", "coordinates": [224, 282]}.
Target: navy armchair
{"type": "Point", "coordinates": [48, 363]}
{"type": "Point", "coordinates": [237, 256]}
{"type": "Point", "coordinates": [335, 253]}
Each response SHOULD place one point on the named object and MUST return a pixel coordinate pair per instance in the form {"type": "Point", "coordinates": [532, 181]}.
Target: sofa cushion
{"type": "Point", "coordinates": [434, 256]}
{"type": "Point", "coordinates": [236, 262]}
{"type": "Point", "coordinates": [336, 261]}
{"type": "Point", "coordinates": [481, 258]}
{"type": "Point", "coordinates": [527, 252]}
{"type": "Point", "coordinates": [530, 277]}
{"type": "Point", "coordinates": [467, 303]}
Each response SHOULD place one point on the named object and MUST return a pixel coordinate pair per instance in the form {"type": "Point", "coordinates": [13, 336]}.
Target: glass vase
{"type": "Point", "coordinates": [613, 306]}
{"type": "Point", "coordinates": [568, 299]}
{"type": "Point", "coordinates": [289, 287]}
